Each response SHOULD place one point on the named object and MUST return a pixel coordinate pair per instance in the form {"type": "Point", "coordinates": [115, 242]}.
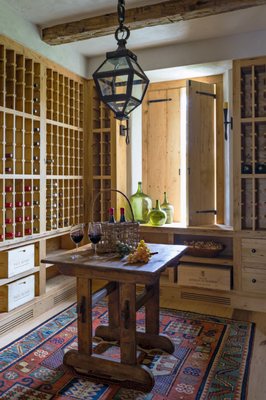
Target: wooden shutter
{"type": "Point", "coordinates": [201, 152]}
{"type": "Point", "coordinates": [161, 146]}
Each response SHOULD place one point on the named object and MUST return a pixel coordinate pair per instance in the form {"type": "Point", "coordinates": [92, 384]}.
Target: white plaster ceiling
{"type": "Point", "coordinates": [49, 12]}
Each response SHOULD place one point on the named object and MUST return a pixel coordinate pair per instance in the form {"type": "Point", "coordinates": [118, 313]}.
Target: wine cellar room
{"type": "Point", "coordinates": [198, 136]}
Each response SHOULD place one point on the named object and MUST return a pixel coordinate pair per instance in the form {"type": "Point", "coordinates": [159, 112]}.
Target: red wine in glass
{"type": "Point", "coordinates": [95, 234]}
{"type": "Point", "coordinates": [76, 235]}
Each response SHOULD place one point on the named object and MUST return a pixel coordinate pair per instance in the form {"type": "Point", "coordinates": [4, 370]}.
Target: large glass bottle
{"type": "Point", "coordinates": [141, 204]}
{"type": "Point", "coordinates": [157, 216]}
{"type": "Point", "coordinates": [168, 208]}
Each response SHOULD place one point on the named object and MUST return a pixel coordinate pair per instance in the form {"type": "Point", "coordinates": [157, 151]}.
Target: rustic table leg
{"type": "Point", "coordinates": [84, 315]}
{"type": "Point", "coordinates": [128, 323]}
{"type": "Point", "coordinates": [152, 337]}
{"type": "Point", "coordinates": [113, 316]}
{"type": "Point", "coordinates": [152, 309]}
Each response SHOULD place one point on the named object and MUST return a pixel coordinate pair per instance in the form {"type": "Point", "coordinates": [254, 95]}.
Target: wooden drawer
{"type": "Point", "coordinates": [204, 276]}
{"type": "Point", "coordinates": [17, 293]}
{"type": "Point", "coordinates": [254, 281]}
{"type": "Point", "coordinates": [254, 253]}
{"type": "Point", "coordinates": [16, 261]}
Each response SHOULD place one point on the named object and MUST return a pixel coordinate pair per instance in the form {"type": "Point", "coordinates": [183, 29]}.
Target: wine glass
{"type": "Point", "coordinates": [76, 235]}
{"type": "Point", "coordinates": [95, 234]}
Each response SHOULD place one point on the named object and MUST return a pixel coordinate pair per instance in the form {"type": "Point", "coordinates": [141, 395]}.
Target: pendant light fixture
{"type": "Point", "coordinates": [120, 81]}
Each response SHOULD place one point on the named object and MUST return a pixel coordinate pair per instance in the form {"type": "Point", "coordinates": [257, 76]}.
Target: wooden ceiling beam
{"type": "Point", "coordinates": [141, 17]}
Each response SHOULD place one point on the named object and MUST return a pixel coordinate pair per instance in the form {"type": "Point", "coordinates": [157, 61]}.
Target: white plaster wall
{"type": "Point", "coordinates": [244, 45]}
{"type": "Point", "coordinates": [26, 33]}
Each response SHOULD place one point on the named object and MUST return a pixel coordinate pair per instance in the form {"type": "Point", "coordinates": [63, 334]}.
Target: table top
{"type": "Point", "coordinates": [105, 265]}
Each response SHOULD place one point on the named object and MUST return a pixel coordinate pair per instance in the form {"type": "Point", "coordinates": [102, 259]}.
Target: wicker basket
{"type": "Point", "coordinates": [125, 232]}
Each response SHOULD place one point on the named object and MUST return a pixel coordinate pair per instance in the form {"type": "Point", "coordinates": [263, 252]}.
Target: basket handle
{"type": "Point", "coordinates": [113, 190]}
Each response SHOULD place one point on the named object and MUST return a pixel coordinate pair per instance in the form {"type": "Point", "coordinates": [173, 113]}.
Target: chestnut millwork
{"type": "Point", "coordinates": [141, 17]}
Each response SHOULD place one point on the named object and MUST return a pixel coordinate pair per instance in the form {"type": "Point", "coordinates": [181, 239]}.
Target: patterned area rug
{"type": "Point", "coordinates": [211, 360]}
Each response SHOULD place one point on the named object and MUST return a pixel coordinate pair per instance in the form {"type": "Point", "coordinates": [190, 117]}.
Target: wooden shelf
{"type": "Point", "coordinates": [31, 271]}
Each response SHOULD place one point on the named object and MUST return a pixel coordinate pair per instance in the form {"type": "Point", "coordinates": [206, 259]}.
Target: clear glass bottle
{"type": "Point", "coordinates": [141, 204]}
{"type": "Point", "coordinates": [168, 208]}
{"type": "Point", "coordinates": [157, 216]}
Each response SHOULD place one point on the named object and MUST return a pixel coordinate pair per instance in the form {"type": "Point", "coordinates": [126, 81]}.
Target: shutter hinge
{"type": "Point", "coordinates": [206, 94]}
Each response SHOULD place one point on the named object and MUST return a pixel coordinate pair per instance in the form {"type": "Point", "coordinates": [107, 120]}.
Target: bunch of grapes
{"type": "Point", "coordinates": [141, 254]}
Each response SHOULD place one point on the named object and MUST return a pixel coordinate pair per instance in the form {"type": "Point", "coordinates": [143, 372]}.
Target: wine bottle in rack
{"type": "Point", "coordinates": [35, 158]}
{"type": "Point", "coordinates": [36, 130]}
{"type": "Point", "coordinates": [8, 170]}
{"type": "Point", "coordinates": [35, 230]}
{"type": "Point", "coordinates": [27, 188]}
{"type": "Point", "coordinates": [35, 217]}
{"type": "Point", "coordinates": [35, 170]}
{"type": "Point", "coordinates": [111, 216]}
{"type": "Point", "coordinates": [27, 203]}
{"type": "Point", "coordinates": [36, 144]}
{"type": "Point", "coordinates": [36, 202]}
{"type": "Point", "coordinates": [122, 215]}
{"type": "Point", "coordinates": [18, 204]}
{"type": "Point", "coordinates": [9, 155]}
{"type": "Point", "coordinates": [8, 205]}
{"type": "Point", "coordinates": [18, 234]}
{"type": "Point", "coordinates": [8, 189]}
{"type": "Point", "coordinates": [18, 218]}
{"type": "Point", "coordinates": [35, 100]}
{"type": "Point", "coordinates": [28, 231]}
{"type": "Point", "coordinates": [27, 218]}
{"type": "Point", "coordinates": [8, 221]}
{"type": "Point", "coordinates": [35, 188]}
{"type": "Point", "coordinates": [36, 85]}
{"type": "Point", "coordinates": [9, 235]}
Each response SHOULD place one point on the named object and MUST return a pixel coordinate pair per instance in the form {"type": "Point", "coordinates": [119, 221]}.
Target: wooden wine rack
{"type": "Point", "coordinates": [107, 165]}
{"type": "Point", "coordinates": [41, 145]}
{"type": "Point", "coordinates": [250, 116]}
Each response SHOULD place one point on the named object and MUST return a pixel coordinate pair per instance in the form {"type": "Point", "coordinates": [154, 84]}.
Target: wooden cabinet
{"type": "Point", "coordinates": [249, 144]}
{"type": "Point", "coordinates": [107, 165]}
{"type": "Point", "coordinates": [42, 148]}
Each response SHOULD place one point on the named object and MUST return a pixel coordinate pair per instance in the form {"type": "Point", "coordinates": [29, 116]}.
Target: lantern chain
{"type": "Point", "coordinates": [121, 18]}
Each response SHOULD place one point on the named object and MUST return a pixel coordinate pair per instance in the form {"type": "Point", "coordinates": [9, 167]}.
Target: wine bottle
{"type": "Point", "coordinates": [35, 158]}
{"type": "Point", "coordinates": [28, 231]}
{"type": "Point", "coordinates": [18, 234]}
{"type": "Point", "coordinates": [36, 144]}
{"type": "Point", "coordinates": [8, 220]}
{"type": "Point", "coordinates": [35, 202]}
{"type": "Point", "coordinates": [35, 188]}
{"type": "Point", "coordinates": [35, 230]}
{"type": "Point", "coordinates": [111, 215]}
{"type": "Point", "coordinates": [27, 188]}
{"type": "Point", "coordinates": [9, 155]}
{"type": "Point", "coordinates": [8, 189]}
{"type": "Point", "coordinates": [18, 218]}
{"type": "Point", "coordinates": [27, 203]}
{"type": "Point", "coordinates": [9, 235]}
{"type": "Point", "coordinates": [35, 217]}
{"type": "Point", "coordinates": [8, 170]}
{"type": "Point", "coordinates": [27, 217]}
{"type": "Point", "coordinates": [18, 203]}
{"type": "Point", "coordinates": [122, 215]}
{"type": "Point", "coordinates": [8, 205]}
{"type": "Point", "coordinates": [36, 130]}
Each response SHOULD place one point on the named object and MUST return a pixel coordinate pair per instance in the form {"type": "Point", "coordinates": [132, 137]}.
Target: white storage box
{"type": "Point", "coordinates": [17, 293]}
{"type": "Point", "coordinates": [203, 276]}
{"type": "Point", "coordinates": [16, 261]}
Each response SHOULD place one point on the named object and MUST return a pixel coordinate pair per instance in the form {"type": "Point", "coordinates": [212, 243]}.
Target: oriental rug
{"type": "Point", "coordinates": [211, 360]}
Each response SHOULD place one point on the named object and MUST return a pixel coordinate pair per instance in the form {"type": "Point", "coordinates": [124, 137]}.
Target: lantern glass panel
{"type": "Point", "coordinates": [117, 106]}
{"type": "Point", "coordinates": [136, 67]}
{"type": "Point", "coordinates": [120, 84]}
{"type": "Point", "coordinates": [113, 64]}
{"type": "Point", "coordinates": [138, 88]}
{"type": "Point", "coordinates": [106, 86]}
{"type": "Point", "coordinates": [131, 105]}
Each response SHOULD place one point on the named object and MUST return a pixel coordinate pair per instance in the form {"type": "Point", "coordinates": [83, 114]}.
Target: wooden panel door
{"type": "Point", "coordinates": [161, 146]}
{"type": "Point", "coordinates": [201, 153]}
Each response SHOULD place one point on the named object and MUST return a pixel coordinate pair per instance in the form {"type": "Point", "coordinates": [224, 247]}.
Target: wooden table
{"type": "Point", "coordinates": [122, 306]}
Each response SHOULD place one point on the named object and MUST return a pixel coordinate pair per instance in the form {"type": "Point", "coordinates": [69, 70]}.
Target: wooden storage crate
{"type": "Point", "coordinates": [16, 261]}
{"type": "Point", "coordinates": [204, 276]}
{"type": "Point", "coordinates": [17, 293]}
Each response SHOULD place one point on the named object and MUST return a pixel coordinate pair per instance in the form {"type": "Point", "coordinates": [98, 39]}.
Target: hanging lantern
{"type": "Point", "coordinates": [120, 81]}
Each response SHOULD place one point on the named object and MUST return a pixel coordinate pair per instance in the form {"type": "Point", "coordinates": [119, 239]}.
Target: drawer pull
{"type": "Point", "coordinates": [254, 280]}
{"type": "Point", "coordinates": [253, 251]}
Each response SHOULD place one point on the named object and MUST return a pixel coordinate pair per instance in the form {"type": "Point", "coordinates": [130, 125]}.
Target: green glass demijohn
{"type": "Point", "coordinates": [168, 208]}
{"type": "Point", "coordinates": [141, 204]}
{"type": "Point", "coordinates": [157, 216]}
